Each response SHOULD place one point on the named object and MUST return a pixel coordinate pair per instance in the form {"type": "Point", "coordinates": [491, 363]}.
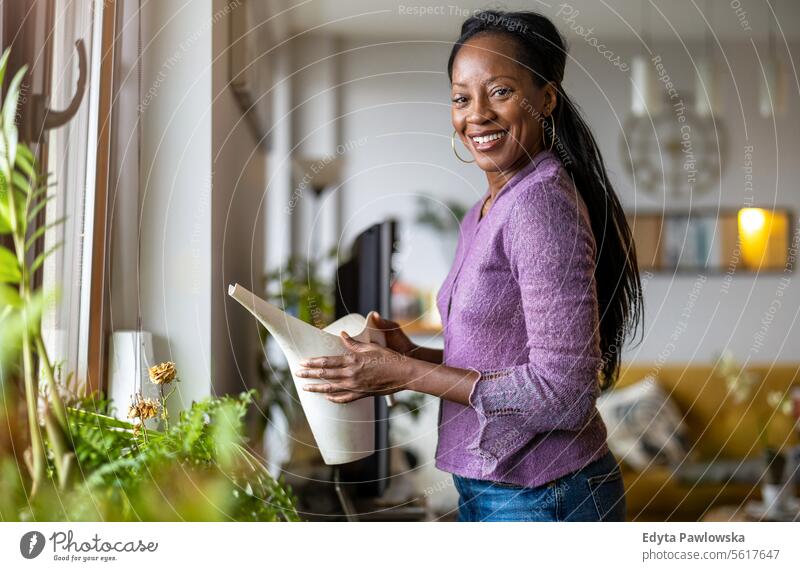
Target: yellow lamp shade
{"type": "Point", "coordinates": [763, 238]}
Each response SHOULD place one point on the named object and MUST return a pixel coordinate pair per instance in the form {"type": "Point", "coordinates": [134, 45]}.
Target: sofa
{"type": "Point", "coordinates": [722, 435]}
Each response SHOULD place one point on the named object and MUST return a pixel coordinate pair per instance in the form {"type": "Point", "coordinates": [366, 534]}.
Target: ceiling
{"type": "Point", "coordinates": [675, 20]}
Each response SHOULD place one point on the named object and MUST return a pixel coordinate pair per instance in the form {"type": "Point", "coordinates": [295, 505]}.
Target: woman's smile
{"type": "Point", "coordinates": [485, 141]}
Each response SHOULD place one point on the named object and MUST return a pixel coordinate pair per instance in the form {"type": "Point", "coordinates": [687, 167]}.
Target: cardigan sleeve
{"type": "Point", "coordinates": [550, 247]}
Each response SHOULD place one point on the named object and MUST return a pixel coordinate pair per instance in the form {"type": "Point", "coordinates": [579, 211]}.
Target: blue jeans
{"type": "Point", "coordinates": [593, 493]}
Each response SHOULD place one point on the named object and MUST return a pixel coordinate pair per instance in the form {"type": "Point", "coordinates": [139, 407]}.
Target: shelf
{"type": "Point", "coordinates": [419, 327]}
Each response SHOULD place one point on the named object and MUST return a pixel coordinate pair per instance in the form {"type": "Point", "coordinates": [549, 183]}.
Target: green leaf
{"type": "Point", "coordinates": [14, 326]}
{"type": "Point", "coordinates": [5, 210]}
{"type": "Point", "coordinates": [9, 297]}
{"type": "Point", "coordinates": [4, 64]}
{"type": "Point", "coordinates": [5, 219]}
{"type": "Point", "coordinates": [43, 256]}
{"type": "Point", "coordinates": [101, 420]}
{"type": "Point", "coordinates": [41, 230]}
{"type": "Point", "coordinates": [5, 169]}
{"type": "Point", "coordinates": [41, 190]}
{"type": "Point", "coordinates": [8, 147]}
{"type": "Point", "coordinates": [21, 182]}
{"type": "Point", "coordinates": [10, 107]}
{"type": "Point", "coordinates": [25, 152]}
{"type": "Point", "coordinates": [39, 205]}
{"type": "Point", "coordinates": [9, 268]}
{"type": "Point", "coordinates": [25, 162]}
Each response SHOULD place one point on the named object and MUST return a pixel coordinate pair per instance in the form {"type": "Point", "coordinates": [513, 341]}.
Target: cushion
{"type": "Point", "coordinates": [644, 426]}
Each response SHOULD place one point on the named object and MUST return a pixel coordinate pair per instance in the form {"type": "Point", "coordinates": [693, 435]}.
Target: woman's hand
{"type": "Point", "coordinates": [367, 369]}
{"type": "Point", "coordinates": [396, 340]}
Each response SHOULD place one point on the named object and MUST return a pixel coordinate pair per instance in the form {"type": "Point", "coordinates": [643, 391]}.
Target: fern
{"type": "Point", "coordinates": [120, 467]}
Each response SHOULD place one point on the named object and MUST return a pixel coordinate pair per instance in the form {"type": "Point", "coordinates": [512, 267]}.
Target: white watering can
{"type": "Point", "coordinates": [343, 432]}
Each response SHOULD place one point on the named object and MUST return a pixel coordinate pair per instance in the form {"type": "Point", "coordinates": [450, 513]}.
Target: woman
{"type": "Point", "coordinates": [542, 293]}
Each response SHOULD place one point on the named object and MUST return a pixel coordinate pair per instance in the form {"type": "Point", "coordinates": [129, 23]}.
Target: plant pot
{"type": "Point", "coordinates": [131, 354]}
{"type": "Point", "coordinates": [343, 432]}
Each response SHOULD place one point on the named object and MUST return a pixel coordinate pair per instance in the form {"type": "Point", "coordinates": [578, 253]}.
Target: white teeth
{"type": "Point", "coordinates": [487, 138]}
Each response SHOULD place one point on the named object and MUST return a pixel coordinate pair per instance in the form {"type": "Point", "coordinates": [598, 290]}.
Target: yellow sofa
{"type": "Point", "coordinates": [719, 428]}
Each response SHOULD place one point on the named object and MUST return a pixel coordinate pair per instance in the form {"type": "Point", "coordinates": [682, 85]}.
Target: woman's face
{"type": "Point", "coordinates": [496, 107]}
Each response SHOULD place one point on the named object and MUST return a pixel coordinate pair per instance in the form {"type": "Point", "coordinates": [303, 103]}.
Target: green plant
{"type": "Point", "coordinates": [199, 469]}
{"type": "Point", "coordinates": [205, 442]}
{"type": "Point", "coordinates": [437, 219]}
{"type": "Point", "coordinates": [298, 288]}
{"type": "Point", "coordinates": [22, 197]}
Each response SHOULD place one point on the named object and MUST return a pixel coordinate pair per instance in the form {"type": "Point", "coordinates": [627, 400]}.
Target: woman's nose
{"type": "Point", "coordinates": [480, 111]}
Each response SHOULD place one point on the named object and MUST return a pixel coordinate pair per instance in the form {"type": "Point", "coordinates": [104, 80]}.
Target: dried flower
{"type": "Point", "coordinates": [143, 408]}
{"type": "Point", "coordinates": [163, 373]}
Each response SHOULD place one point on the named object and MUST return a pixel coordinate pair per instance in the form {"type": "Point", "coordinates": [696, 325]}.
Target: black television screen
{"type": "Point", "coordinates": [363, 284]}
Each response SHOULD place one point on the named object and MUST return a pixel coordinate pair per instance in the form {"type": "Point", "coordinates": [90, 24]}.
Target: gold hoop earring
{"type": "Point", "coordinates": [453, 144]}
{"type": "Point", "coordinates": [552, 137]}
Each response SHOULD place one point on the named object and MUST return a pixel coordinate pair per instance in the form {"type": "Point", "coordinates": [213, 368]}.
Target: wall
{"type": "Point", "coordinates": [693, 318]}
{"type": "Point", "coordinates": [202, 183]}
{"type": "Point", "coordinates": [175, 187]}
{"type": "Point", "coordinates": [394, 110]}
{"type": "Point", "coordinates": [239, 175]}
{"type": "Point", "coordinates": [315, 124]}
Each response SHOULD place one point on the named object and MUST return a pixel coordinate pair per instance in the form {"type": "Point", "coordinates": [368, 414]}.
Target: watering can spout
{"type": "Point", "coordinates": [296, 338]}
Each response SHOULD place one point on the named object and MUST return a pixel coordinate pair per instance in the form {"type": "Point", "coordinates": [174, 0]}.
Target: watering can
{"type": "Point", "coordinates": [344, 432]}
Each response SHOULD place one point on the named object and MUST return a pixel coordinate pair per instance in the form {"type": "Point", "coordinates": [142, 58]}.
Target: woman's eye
{"type": "Point", "coordinates": [502, 91]}
{"type": "Point", "coordinates": [459, 99]}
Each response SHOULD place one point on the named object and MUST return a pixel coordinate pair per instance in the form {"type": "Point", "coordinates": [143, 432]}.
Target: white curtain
{"type": "Point", "coordinates": [72, 156]}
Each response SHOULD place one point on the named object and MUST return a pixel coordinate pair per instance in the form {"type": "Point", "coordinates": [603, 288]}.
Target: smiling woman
{"type": "Point", "coordinates": [495, 108]}
{"type": "Point", "coordinates": [543, 290]}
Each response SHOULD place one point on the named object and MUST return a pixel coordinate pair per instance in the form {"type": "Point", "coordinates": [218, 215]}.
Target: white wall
{"type": "Point", "coordinates": [176, 180]}
{"type": "Point", "coordinates": [395, 112]}
{"type": "Point", "coordinates": [202, 184]}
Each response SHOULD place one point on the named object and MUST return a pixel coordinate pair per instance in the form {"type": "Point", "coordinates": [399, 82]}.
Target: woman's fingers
{"type": "Point", "coordinates": [345, 397]}
{"type": "Point", "coordinates": [320, 388]}
{"type": "Point", "coordinates": [355, 345]}
{"type": "Point", "coordinates": [325, 373]}
{"type": "Point", "coordinates": [386, 323]}
{"type": "Point", "coordinates": [331, 388]}
{"type": "Point", "coordinates": [317, 387]}
{"type": "Point", "coordinates": [329, 362]}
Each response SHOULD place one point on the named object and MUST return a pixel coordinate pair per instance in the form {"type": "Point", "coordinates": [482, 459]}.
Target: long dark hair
{"type": "Point", "coordinates": [543, 51]}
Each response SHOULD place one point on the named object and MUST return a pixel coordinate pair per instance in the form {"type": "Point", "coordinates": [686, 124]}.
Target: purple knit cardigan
{"type": "Point", "coordinates": [520, 307]}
